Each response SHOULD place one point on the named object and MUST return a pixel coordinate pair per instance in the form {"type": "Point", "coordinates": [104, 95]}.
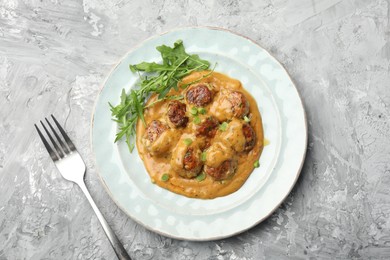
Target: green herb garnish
{"type": "Point", "coordinates": [223, 126]}
{"type": "Point", "coordinates": [194, 111]}
{"type": "Point", "coordinates": [196, 120]}
{"type": "Point", "coordinates": [165, 177]}
{"type": "Point", "coordinates": [203, 156]}
{"type": "Point", "coordinates": [187, 141]}
{"type": "Point", "coordinates": [201, 177]}
{"type": "Point", "coordinates": [202, 110]}
{"type": "Point", "coordinates": [246, 119]}
{"type": "Point", "coordinates": [157, 79]}
{"type": "Point", "coordinates": [256, 164]}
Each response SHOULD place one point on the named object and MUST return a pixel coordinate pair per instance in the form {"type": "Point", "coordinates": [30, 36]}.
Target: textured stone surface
{"type": "Point", "coordinates": [54, 56]}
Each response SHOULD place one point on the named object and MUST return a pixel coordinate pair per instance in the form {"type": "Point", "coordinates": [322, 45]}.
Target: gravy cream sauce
{"type": "Point", "coordinates": [165, 155]}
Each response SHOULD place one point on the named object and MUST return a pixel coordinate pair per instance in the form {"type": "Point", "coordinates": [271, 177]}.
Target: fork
{"type": "Point", "coordinates": [72, 167]}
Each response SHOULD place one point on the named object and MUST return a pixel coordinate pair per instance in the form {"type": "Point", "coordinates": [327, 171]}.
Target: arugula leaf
{"type": "Point", "coordinates": [148, 67]}
{"type": "Point", "coordinates": [138, 106]}
{"type": "Point", "coordinates": [155, 78]}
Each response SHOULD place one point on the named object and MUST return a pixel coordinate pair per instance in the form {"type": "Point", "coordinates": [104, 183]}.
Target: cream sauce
{"type": "Point", "coordinates": [159, 163]}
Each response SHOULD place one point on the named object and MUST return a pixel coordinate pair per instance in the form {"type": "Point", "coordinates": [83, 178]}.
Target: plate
{"type": "Point", "coordinates": [127, 182]}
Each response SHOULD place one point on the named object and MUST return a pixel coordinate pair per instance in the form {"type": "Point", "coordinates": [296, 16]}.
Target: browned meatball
{"type": "Point", "coordinates": [229, 104]}
{"type": "Point", "coordinates": [199, 95]}
{"type": "Point", "coordinates": [154, 130]}
{"type": "Point", "coordinates": [158, 138]}
{"type": "Point", "coordinates": [186, 158]}
{"type": "Point", "coordinates": [208, 127]}
{"type": "Point", "coordinates": [224, 171]}
{"type": "Point", "coordinates": [250, 137]}
{"type": "Point", "coordinates": [192, 162]}
{"type": "Point", "coordinates": [240, 106]}
{"type": "Point", "coordinates": [177, 114]}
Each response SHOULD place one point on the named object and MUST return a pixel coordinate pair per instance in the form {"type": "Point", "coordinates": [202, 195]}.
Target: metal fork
{"type": "Point", "coordinates": [72, 167]}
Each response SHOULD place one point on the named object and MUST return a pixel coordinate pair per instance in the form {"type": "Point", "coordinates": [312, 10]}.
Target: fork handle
{"type": "Point", "coordinates": [116, 244]}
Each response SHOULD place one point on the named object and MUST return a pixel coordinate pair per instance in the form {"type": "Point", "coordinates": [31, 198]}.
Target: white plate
{"type": "Point", "coordinates": [284, 122]}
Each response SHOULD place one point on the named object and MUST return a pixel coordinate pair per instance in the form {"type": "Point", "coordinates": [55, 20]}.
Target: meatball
{"type": "Point", "coordinates": [158, 138]}
{"type": "Point", "coordinates": [234, 135]}
{"type": "Point", "coordinates": [154, 130]}
{"type": "Point", "coordinates": [224, 171]}
{"type": "Point", "coordinates": [199, 95]}
{"type": "Point", "coordinates": [191, 161]}
{"type": "Point", "coordinates": [239, 104]}
{"type": "Point", "coordinates": [177, 114]}
{"type": "Point", "coordinates": [208, 127]}
{"type": "Point", "coordinates": [186, 159]}
{"type": "Point", "coordinates": [250, 137]}
{"type": "Point", "coordinates": [229, 104]}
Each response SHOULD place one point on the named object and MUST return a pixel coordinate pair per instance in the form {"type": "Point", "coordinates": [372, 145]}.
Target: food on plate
{"type": "Point", "coordinates": [199, 135]}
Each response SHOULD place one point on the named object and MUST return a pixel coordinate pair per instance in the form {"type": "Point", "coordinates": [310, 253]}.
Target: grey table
{"type": "Point", "coordinates": [54, 55]}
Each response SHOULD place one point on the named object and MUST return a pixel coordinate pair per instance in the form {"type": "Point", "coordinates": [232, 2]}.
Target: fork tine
{"type": "Point", "coordinates": [59, 151]}
{"type": "Point", "coordinates": [48, 148]}
{"type": "Point", "coordinates": [66, 137]}
{"type": "Point", "coordinates": [64, 147]}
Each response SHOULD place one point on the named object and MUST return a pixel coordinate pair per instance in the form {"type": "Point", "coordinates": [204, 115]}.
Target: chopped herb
{"type": "Point", "coordinates": [194, 111]}
{"type": "Point", "coordinates": [202, 110]}
{"type": "Point", "coordinates": [196, 120]}
{"type": "Point", "coordinates": [256, 164]}
{"type": "Point", "coordinates": [201, 177]}
{"type": "Point", "coordinates": [187, 141]}
{"type": "Point", "coordinates": [165, 177]}
{"type": "Point", "coordinates": [246, 119]}
{"type": "Point", "coordinates": [223, 126]}
{"type": "Point", "coordinates": [159, 79]}
{"type": "Point", "coordinates": [203, 156]}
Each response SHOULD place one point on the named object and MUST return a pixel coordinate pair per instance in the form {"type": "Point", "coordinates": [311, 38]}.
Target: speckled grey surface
{"type": "Point", "coordinates": [54, 55]}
